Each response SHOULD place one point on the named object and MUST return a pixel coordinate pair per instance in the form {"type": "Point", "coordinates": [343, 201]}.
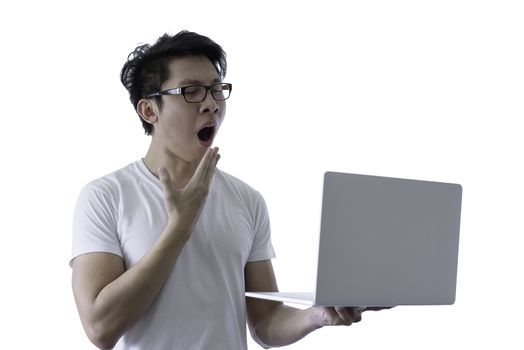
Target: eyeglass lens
{"type": "Point", "coordinates": [220, 92]}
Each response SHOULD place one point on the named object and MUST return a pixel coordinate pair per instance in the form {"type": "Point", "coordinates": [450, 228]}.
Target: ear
{"type": "Point", "coordinates": [147, 110]}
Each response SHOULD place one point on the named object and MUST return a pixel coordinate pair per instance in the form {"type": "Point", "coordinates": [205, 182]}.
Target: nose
{"type": "Point", "coordinates": [209, 105]}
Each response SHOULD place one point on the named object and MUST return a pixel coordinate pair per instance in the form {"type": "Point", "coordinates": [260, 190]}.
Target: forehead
{"type": "Point", "coordinates": [192, 69]}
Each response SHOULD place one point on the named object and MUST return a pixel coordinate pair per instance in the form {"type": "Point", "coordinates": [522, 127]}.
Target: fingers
{"type": "Point", "coordinates": [334, 316]}
{"type": "Point", "coordinates": [342, 316]}
{"type": "Point", "coordinates": [354, 313]}
{"type": "Point", "coordinates": [163, 174]}
{"type": "Point", "coordinates": [206, 167]}
{"type": "Point", "coordinates": [378, 308]}
{"type": "Point", "coordinates": [214, 161]}
{"type": "Point", "coordinates": [167, 187]}
{"type": "Point", "coordinates": [165, 179]}
{"type": "Point", "coordinates": [357, 314]}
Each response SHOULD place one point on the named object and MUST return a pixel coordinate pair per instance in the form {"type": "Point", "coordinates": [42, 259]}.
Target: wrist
{"type": "Point", "coordinates": [315, 315]}
{"type": "Point", "coordinates": [176, 229]}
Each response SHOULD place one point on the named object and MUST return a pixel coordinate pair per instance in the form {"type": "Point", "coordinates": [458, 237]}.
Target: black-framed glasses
{"type": "Point", "coordinates": [198, 93]}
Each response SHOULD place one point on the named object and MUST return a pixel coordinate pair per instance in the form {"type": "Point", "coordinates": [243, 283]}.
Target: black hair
{"type": "Point", "coordinates": [147, 67]}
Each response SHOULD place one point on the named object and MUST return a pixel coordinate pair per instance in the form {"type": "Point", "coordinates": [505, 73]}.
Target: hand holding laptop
{"type": "Point", "coordinates": [335, 316]}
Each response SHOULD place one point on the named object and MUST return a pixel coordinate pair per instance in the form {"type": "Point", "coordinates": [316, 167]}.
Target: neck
{"type": "Point", "coordinates": [180, 170]}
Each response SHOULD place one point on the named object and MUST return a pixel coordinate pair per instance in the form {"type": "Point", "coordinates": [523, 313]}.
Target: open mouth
{"type": "Point", "coordinates": [206, 133]}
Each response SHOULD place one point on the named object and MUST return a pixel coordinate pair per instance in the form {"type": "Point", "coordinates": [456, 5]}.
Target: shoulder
{"type": "Point", "coordinates": [230, 190]}
{"type": "Point", "coordinates": [231, 183]}
{"type": "Point", "coordinates": [110, 185]}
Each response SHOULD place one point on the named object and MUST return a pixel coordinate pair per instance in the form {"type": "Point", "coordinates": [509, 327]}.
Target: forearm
{"type": "Point", "coordinates": [284, 326]}
{"type": "Point", "coordinates": [125, 300]}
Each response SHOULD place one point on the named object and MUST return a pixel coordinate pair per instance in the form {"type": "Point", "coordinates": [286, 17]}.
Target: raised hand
{"type": "Point", "coordinates": [183, 205]}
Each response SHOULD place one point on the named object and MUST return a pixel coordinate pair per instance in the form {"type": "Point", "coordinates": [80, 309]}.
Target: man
{"type": "Point", "coordinates": [164, 248]}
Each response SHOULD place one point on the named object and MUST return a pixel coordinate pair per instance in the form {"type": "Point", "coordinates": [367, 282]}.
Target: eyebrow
{"type": "Point", "coordinates": [198, 82]}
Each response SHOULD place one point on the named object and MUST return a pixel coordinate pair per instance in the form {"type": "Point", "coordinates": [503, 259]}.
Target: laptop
{"type": "Point", "coordinates": [384, 242]}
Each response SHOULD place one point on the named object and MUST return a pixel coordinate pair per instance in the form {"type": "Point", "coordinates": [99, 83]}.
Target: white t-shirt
{"type": "Point", "coordinates": [202, 305]}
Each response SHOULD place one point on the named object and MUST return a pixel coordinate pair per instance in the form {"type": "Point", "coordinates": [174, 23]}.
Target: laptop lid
{"type": "Point", "coordinates": [387, 241]}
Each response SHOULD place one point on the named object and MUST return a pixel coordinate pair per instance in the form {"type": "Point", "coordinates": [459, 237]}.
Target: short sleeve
{"type": "Point", "coordinates": [95, 223]}
{"type": "Point", "coordinates": [262, 247]}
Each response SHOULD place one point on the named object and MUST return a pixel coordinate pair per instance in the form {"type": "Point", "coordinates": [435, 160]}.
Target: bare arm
{"type": "Point", "coordinates": [110, 299]}
{"type": "Point", "coordinates": [272, 323]}
{"type": "Point", "coordinates": [275, 324]}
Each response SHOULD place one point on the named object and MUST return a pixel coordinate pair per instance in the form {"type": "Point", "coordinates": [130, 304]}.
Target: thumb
{"type": "Point", "coordinates": [163, 173]}
{"type": "Point", "coordinates": [165, 178]}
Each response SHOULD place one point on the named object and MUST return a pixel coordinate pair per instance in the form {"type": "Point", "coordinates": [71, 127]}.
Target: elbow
{"type": "Point", "coordinates": [255, 335]}
{"type": "Point", "coordinates": [101, 337]}
{"type": "Point", "coordinates": [260, 342]}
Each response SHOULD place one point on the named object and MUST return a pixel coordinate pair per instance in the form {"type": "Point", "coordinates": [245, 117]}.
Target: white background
{"type": "Point", "coordinates": [430, 90]}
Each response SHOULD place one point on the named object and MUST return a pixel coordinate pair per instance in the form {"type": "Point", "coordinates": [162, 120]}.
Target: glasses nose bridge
{"type": "Point", "coordinates": [209, 105]}
{"type": "Point", "coordinates": [206, 90]}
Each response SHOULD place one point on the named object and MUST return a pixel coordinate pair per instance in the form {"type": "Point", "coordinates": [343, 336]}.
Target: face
{"type": "Point", "coordinates": [186, 130]}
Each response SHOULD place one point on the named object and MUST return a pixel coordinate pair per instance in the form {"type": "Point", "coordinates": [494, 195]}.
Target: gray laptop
{"type": "Point", "coordinates": [384, 242]}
